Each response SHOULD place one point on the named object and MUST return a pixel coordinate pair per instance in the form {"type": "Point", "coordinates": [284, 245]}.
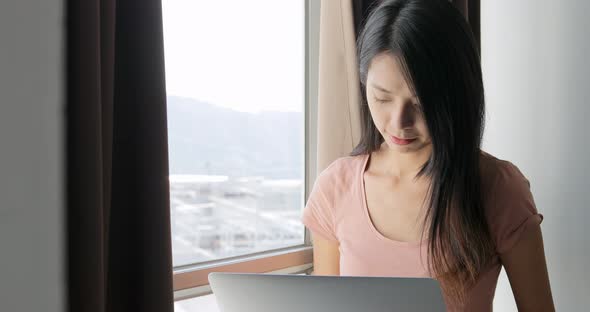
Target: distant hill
{"type": "Point", "coordinates": [208, 139]}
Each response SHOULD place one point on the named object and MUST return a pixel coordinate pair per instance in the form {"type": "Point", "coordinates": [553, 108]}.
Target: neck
{"type": "Point", "coordinates": [403, 165]}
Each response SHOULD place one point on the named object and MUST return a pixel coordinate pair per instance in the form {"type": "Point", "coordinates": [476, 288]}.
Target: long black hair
{"type": "Point", "coordinates": [440, 61]}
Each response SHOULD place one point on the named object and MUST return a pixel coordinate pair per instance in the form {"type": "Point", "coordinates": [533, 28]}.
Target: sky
{"type": "Point", "coordinates": [243, 55]}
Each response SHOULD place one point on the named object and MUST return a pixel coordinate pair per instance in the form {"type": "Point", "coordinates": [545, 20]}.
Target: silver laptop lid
{"type": "Point", "coordinates": [243, 292]}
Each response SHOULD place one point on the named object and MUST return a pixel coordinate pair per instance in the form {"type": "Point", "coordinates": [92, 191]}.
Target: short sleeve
{"type": "Point", "coordinates": [512, 208]}
{"type": "Point", "coordinates": [318, 214]}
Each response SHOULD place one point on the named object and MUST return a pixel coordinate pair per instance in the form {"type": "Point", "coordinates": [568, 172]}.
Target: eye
{"type": "Point", "coordinates": [381, 101]}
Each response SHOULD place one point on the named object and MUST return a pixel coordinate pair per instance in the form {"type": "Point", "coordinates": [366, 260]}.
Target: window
{"type": "Point", "coordinates": [239, 132]}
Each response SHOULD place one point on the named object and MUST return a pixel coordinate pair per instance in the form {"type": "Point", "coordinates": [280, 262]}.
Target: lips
{"type": "Point", "coordinates": [400, 141]}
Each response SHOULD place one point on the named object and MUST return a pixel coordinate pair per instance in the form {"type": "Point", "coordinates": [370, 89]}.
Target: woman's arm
{"type": "Point", "coordinates": [326, 257]}
{"type": "Point", "coordinates": [527, 272]}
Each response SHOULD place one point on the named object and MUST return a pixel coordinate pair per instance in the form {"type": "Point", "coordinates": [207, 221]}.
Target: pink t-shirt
{"type": "Point", "coordinates": [336, 210]}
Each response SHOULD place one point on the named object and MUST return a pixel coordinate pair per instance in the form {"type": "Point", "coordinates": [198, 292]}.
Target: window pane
{"type": "Point", "coordinates": [235, 76]}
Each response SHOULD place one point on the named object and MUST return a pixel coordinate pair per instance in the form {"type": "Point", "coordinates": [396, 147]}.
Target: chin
{"type": "Point", "coordinates": [406, 149]}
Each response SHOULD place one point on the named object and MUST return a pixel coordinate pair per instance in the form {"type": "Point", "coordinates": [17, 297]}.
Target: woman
{"type": "Point", "coordinates": [418, 197]}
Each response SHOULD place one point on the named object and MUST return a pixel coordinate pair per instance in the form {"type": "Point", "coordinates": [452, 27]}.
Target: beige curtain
{"type": "Point", "coordinates": [339, 125]}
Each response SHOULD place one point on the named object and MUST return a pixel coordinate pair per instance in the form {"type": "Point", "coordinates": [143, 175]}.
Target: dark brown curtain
{"type": "Point", "coordinates": [469, 8]}
{"type": "Point", "coordinates": [118, 218]}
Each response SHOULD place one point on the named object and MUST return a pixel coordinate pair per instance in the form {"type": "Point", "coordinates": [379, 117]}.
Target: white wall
{"type": "Point", "coordinates": [537, 77]}
{"type": "Point", "coordinates": [31, 217]}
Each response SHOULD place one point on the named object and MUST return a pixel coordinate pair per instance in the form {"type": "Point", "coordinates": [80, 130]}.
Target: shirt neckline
{"type": "Point", "coordinates": [365, 208]}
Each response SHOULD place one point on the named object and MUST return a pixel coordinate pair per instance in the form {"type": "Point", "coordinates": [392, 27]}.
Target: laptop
{"type": "Point", "coordinates": [250, 292]}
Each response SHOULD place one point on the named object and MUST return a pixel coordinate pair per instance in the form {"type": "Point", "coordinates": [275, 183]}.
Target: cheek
{"type": "Point", "coordinates": [379, 118]}
{"type": "Point", "coordinates": [374, 114]}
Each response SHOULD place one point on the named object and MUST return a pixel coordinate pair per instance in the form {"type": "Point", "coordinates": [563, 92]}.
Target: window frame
{"type": "Point", "coordinates": [191, 280]}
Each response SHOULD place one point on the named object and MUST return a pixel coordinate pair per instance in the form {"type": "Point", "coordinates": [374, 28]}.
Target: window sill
{"type": "Point", "coordinates": [193, 281]}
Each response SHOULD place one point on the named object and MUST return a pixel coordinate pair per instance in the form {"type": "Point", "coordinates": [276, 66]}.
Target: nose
{"type": "Point", "coordinates": [403, 116]}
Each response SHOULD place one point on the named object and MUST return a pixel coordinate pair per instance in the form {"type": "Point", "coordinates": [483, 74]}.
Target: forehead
{"type": "Point", "coordinates": [386, 72]}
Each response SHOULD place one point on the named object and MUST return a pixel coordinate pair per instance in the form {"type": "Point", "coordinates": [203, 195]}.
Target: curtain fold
{"type": "Point", "coordinates": [118, 218]}
{"type": "Point", "coordinates": [339, 124]}
{"type": "Point", "coordinates": [338, 89]}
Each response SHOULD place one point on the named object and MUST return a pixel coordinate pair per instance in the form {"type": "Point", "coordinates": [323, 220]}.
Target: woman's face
{"type": "Point", "coordinates": [396, 112]}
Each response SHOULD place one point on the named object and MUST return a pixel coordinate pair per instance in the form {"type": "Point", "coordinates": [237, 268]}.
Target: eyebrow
{"type": "Point", "coordinates": [378, 87]}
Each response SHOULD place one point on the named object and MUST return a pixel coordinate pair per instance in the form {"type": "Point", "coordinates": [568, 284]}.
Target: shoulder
{"type": "Point", "coordinates": [343, 168]}
{"type": "Point", "coordinates": [333, 185]}
{"type": "Point", "coordinates": [340, 174]}
{"type": "Point", "coordinates": [508, 202]}
{"type": "Point", "coordinates": [498, 174]}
